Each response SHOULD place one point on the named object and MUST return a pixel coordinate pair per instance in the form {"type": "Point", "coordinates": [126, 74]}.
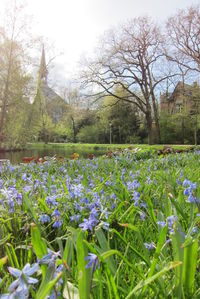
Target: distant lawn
{"type": "Point", "coordinates": [85, 146]}
{"type": "Point", "coordinates": [42, 144]}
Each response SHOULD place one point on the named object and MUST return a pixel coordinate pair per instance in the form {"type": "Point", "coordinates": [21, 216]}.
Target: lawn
{"type": "Point", "coordinates": [81, 147]}
{"type": "Point", "coordinates": [120, 227]}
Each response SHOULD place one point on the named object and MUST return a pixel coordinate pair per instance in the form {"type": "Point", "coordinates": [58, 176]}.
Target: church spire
{"type": "Point", "coordinates": [43, 72]}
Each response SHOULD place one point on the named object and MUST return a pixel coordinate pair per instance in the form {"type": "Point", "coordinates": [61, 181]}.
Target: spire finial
{"type": "Point", "coordinates": [43, 72]}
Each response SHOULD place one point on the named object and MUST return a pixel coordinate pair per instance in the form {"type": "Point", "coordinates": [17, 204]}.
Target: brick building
{"type": "Point", "coordinates": [182, 97]}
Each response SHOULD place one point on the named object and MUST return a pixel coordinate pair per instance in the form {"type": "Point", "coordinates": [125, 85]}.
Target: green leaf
{"type": "Point", "coordinates": [38, 244]}
{"type": "Point", "coordinates": [104, 247]}
{"type": "Point", "coordinates": [129, 225]}
{"type": "Point", "coordinates": [132, 248]}
{"type": "Point", "coordinates": [111, 252]}
{"type": "Point", "coordinates": [47, 283]}
{"type": "Point", "coordinates": [3, 261]}
{"type": "Point", "coordinates": [151, 279]}
{"type": "Point", "coordinates": [84, 275]}
{"type": "Point", "coordinates": [12, 257]}
{"type": "Point", "coordinates": [29, 207]}
{"type": "Point", "coordinates": [110, 282]}
{"type": "Point", "coordinates": [150, 209]}
{"type": "Point", "coordinates": [5, 239]}
{"type": "Point", "coordinates": [67, 254]}
{"type": "Point", "coordinates": [160, 243]}
{"type": "Point", "coordinates": [178, 255]}
{"type": "Point", "coordinates": [189, 266]}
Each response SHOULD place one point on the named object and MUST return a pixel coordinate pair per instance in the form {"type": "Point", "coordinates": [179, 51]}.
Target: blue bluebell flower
{"type": "Point", "coordinates": [75, 218]}
{"type": "Point", "coordinates": [56, 213]}
{"type": "Point", "coordinates": [133, 185]}
{"type": "Point", "coordinates": [50, 258]}
{"type": "Point", "coordinates": [150, 246]}
{"type": "Point", "coordinates": [19, 288]}
{"type": "Point", "coordinates": [105, 225]}
{"type": "Point", "coordinates": [142, 215]}
{"type": "Point", "coordinates": [51, 200]}
{"type": "Point", "coordinates": [94, 213]}
{"type": "Point", "coordinates": [113, 206]}
{"type": "Point", "coordinates": [88, 224]}
{"type": "Point", "coordinates": [191, 198]}
{"type": "Point", "coordinates": [143, 205]}
{"type": "Point", "coordinates": [136, 197]}
{"type": "Point", "coordinates": [171, 220]}
{"type": "Point", "coordinates": [54, 295]}
{"type": "Point", "coordinates": [93, 261]}
{"type": "Point", "coordinates": [78, 190]}
{"type": "Point", "coordinates": [18, 198]}
{"type": "Point", "coordinates": [44, 218]}
{"type": "Point", "coordinates": [149, 181]}
{"type": "Point", "coordinates": [161, 223]}
{"type": "Point", "coordinates": [113, 196]}
{"type": "Point", "coordinates": [21, 292]}
{"type": "Point", "coordinates": [85, 200]}
{"type": "Point", "coordinates": [57, 224]}
{"type": "Point", "coordinates": [178, 182]}
{"type": "Point", "coordinates": [27, 188]}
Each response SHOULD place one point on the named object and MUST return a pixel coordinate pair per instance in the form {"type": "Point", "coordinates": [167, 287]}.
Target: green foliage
{"type": "Point", "coordinates": [84, 275]}
{"type": "Point", "coordinates": [176, 128]}
{"type": "Point", "coordinates": [119, 118]}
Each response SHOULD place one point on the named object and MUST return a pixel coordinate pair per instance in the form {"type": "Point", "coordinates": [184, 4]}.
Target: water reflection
{"type": "Point", "coordinates": [17, 156]}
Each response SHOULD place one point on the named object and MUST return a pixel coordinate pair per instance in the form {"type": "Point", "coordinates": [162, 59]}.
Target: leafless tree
{"type": "Point", "coordinates": [131, 57]}
{"type": "Point", "coordinates": [183, 30]}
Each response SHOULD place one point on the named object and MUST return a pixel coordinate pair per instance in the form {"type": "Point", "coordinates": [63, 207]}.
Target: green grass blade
{"type": "Point", "coordinates": [137, 253]}
{"type": "Point", "coordinates": [105, 248]}
{"type": "Point", "coordinates": [111, 282]}
{"type": "Point", "coordinates": [152, 278]}
{"type": "Point", "coordinates": [5, 239]}
{"type": "Point", "coordinates": [84, 275]}
{"type": "Point", "coordinates": [112, 252]}
{"type": "Point", "coordinates": [12, 257]}
{"type": "Point", "coordinates": [67, 254]}
{"type": "Point", "coordinates": [189, 266]}
{"type": "Point", "coordinates": [160, 243]}
{"type": "Point", "coordinates": [47, 284]}
{"type": "Point", "coordinates": [178, 255]}
{"type": "Point", "coordinates": [39, 245]}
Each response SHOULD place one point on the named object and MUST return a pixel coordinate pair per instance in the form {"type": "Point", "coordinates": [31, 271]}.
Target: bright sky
{"type": "Point", "coordinates": [75, 25]}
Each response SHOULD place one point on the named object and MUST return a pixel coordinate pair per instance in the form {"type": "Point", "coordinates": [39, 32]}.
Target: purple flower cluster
{"type": "Point", "coordinates": [189, 191]}
{"type": "Point", "coordinates": [19, 288]}
{"type": "Point", "coordinates": [170, 222]}
{"type": "Point", "coordinates": [11, 197]}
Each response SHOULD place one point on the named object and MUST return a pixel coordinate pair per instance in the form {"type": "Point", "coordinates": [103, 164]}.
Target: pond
{"type": "Point", "coordinates": [16, 157]}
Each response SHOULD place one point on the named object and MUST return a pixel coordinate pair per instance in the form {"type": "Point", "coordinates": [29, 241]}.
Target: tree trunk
{"type": "Point", "coordinates": [149, 128]}
{"type": "Point", "coordinates": [195, 130]}
{"type": "Point", "coordinates": [6, 91]}
{"type": "Point", "coordinates": [183, 130]}
{"type": "Point", "coordinates": [7, 83]}
{"type": "Point", "coordinates": [74, 130]}
{"type": "Point", "coordinates": [155, 110]}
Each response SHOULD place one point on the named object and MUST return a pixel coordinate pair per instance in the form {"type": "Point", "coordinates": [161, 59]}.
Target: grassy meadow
{"type": "Point", "coordinates": [123, 226]}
